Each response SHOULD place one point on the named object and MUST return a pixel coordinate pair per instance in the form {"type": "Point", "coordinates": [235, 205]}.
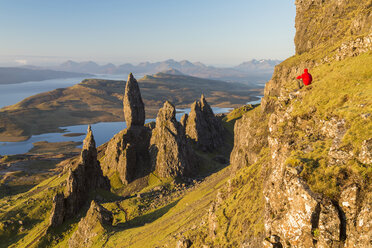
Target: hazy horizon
{"type": "Point", "coordinates": [57, 62]}
{"type": "Point", "coordinates": [213, 32]}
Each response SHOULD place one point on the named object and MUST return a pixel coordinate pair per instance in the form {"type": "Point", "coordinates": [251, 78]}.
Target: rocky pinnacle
{"type": "Point", "coordinates": [134, 109]}
{"type": "Point", "coordinates": [171, 153]}
{"type": "Point", "coordinates": [84, 177]}
{"type": "Point", "coordinates": [89, 151]}
{"type": "Point", "coordinates": [203, 127]}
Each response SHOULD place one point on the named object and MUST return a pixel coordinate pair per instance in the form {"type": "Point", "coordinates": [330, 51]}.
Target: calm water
{"type": "Point", "coordinates": [11, 94]}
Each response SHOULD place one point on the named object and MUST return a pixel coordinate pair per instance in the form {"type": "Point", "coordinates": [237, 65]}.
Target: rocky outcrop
{"type": "Point", "coordinates": [171, 154]}
{"type": "Point", "coordinates": [365, 155]}
{"type": "Point", "coordinates": [91, 226]}
{"type": "Point", "coordinates": [127, 154]}
{"type": "Point", "coordinates": [134, 109]}
{"type": "Point", "coordinates": [203, 127]}
{"type": "Point", "coordinates": [250, 136]}
{"type": "Point", "coordinates": [354, 47]}
{"type": "Point", "coordinates": [58, 211]}
{"type": "Point", "coordinates": [84, 178]}
{"type": "Point", "coordinates": [183, 243]}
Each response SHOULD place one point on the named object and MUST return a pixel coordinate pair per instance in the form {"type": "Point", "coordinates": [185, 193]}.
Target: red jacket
{"type": "Point", "coordinates": [306, 77]}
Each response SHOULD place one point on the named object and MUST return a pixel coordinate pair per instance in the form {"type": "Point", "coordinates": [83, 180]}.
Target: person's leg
{"type": "Point", "coordinates": [299, 84]}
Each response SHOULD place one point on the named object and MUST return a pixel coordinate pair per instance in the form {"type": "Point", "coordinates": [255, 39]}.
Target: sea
{"type": "Point", "coordinates": [103, 131]}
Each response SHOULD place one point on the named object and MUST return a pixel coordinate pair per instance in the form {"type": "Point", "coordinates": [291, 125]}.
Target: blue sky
{"type": "Point", "coordinates": [217, 32]}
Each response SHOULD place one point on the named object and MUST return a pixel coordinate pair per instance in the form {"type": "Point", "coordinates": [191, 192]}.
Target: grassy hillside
{"type": "Point", "coordinates": [25, 216]}
{"type": "Point", "coordinates": [343, 91]}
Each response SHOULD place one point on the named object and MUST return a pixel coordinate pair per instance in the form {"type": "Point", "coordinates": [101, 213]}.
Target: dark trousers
{"type": "Point", "coordinates": [300, 84]}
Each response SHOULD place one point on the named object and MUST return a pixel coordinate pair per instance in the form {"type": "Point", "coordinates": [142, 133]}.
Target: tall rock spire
{"type": "Point", "coordinates": [83, 178]}
{"type": "Point", "coordinates": [134, 109]}
{"type": "Point", "coordinates": [127, 152]}
{"type": "Point", "coordinates": [89, 151]}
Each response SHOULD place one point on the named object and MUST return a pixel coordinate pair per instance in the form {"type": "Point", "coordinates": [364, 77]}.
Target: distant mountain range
{"type": "Point", "coordinates": [13, 75]}
{"type": "Point", "coordinates": [254, 71]}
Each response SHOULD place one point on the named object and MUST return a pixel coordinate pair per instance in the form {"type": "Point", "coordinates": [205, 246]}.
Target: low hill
{"type": "Point", "coordinates": [13, 75]}
{"type": "Point", "coordinates": [96, 100]}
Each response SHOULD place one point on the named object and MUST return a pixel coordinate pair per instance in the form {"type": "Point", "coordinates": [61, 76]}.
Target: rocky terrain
{"type": "Point", "coordinates": [296, 173]}
{"type": "Point", "coordinates": [95, 100]}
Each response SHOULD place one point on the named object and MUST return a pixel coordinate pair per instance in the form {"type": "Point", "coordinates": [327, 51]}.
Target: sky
{"type": "Point", "coordinates": [214, 32]}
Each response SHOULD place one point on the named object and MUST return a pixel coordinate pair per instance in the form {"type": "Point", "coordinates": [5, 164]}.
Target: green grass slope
{"type": "Point", "coordinates": [343, 91]}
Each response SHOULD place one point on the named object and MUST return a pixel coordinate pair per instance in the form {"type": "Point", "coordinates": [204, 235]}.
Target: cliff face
{"type": "Point", "coordinates": [322, 23]}
{"type": "Point", "coordinates": [326, 31]}
{"type": "Point", "coordinates": [127, 154]}
{"type": "Point", "coordinates": [317, 136]}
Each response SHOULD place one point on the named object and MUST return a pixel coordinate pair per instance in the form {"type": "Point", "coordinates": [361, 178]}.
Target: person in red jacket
{"type": "Point", "coordinates": [306, 78]}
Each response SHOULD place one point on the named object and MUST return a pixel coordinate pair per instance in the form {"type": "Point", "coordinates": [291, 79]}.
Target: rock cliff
{"type": "Point", "coordinates": [83, 178]}
{"type": "Point", "coordinates": [324, 23]}
{"type": "Point", "coordinates": [203, 127]}
{"type": "Point", "coordinates": [250, 136]}
{"type": "Point", "coordinates": [171, 153]}
{"type": "Point", "coordinates": [313, 194]}
{"type": "Point", "coordinates": [127, 154]}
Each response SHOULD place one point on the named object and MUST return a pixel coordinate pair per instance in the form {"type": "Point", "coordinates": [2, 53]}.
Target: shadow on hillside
{"type": "Point", "coordinates": [6, 190]}
{"type": "Point", "coordinates": [147, 218]}
{"type": "Point", "coordinates": [6, 241]}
